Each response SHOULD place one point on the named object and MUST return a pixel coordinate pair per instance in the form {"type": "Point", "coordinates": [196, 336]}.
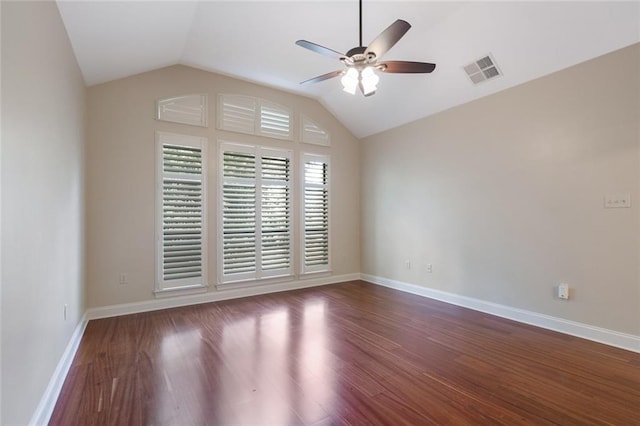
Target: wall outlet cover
{"type": "Point", "coordinates": [563, 291]}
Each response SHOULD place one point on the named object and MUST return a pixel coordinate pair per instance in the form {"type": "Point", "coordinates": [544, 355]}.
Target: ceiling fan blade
{"type": "Point", "coordinates": [406, 67]}
{"type": "Point", "coordinates": [323, 77]}
{"type": "Point", "coordinates": [388, 38]}
{"type": "Point", "coordinates": [320, 49]}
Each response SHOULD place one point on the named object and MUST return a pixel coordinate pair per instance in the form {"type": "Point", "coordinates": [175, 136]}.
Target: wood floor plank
{"type": "Point", "coordinates": [345, 354]}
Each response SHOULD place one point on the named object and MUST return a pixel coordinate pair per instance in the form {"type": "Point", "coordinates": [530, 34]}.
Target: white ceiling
{"type": "Point", "coordinates": [255, 41]}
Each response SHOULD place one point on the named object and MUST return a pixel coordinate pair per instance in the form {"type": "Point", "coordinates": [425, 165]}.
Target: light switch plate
{"type": "Point", "coordinates": [617, 201]}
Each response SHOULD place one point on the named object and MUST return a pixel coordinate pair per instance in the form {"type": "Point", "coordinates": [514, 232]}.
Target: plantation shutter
{"type": "Point", "coordinates": [237, 113]}
{"type": "Point", "coordinates": [316, 214]}
{"type": "Point", "coordinates": [239, 213]}
{"type": "Point", "coordinates": [275, 121]}
{"type": "Point", "coordinates": [181, 213]}
{"type": "Point", "coordinates": [256, 213]}
{"type": "Point", "coordinates": [189, 109]}
{"type": "Point", "coordinates": [314, 134]}
{"type": "Point", "coordinates": [275, 212]}
{"type": "Point", "coordinates": [246, 114]}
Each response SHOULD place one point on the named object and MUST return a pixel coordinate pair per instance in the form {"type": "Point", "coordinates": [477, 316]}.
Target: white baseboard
{"type": "Point", "coordinates": [601, 335]}
{"type": "Point", "coordinates": [52, 392]}
{"type": "Point", "coordinates": [214, 296]}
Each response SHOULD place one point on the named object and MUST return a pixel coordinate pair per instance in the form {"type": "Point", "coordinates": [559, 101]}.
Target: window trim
{"type": "Point", "coordinates": [304, 157]}
{"type": "Point", "coordinates": [194, 285]}
{"type": "Point", "coordinates": [260, 276]}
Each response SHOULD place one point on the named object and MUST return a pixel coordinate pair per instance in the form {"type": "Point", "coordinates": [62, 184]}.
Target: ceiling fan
{"type": "Point", "coordinates": [362, 61]}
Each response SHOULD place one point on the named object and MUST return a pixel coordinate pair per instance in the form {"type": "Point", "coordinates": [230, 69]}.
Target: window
{"type": "Point", "coordinates": [181, 248]}
{"type": "Point", "coordinates": [315, 208]}
{"type": "Point", "coordinates": [255, 213]}
{"type": "Point", "coordinates": [246, 114]}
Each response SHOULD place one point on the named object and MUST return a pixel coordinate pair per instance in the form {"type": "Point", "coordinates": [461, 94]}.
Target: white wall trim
{"type": "Point", "coordinates": [48, 401]}
{"type": "Point", "coordinates": [597, 334]}
{"type": "Point", "coordinates": [215, 296]}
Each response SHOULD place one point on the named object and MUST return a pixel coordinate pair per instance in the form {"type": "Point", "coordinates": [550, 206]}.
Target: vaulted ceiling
{"type": "Point", "coordinates": [255, 41]}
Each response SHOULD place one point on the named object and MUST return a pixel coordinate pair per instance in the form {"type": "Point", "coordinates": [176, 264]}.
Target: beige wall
{"type": "Point", "coordinates": [504, 196]}
{"type": "Point", "coordinates": [121, 176]}
{"type": "Point", "coordinates": [42, 201]}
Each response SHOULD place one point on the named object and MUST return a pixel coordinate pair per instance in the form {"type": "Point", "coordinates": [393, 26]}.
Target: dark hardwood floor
{"type": "Point", "coordinates": [351, 353]}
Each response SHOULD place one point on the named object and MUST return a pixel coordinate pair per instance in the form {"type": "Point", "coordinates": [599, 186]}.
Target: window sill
{"type": "Point", "coordinates": [316, 274]}
{"type": "Point", "coordinates": [255, 283]}
{"type": "Point", "coordinates": [180, 291]}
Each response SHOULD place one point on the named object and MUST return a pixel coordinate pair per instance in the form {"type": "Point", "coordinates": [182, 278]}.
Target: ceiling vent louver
{"type": "Point", "coordinates": [483, 69]}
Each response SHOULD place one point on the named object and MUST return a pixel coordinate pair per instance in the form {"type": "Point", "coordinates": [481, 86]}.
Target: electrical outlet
{"type": "Point", "coordinates": [563, 291]}
{"type": "Point", "coordinates": [429, 268]}
{"type": "Point", "coordinates": [124, 279]}
{"type": "Point", "coordinates": [407, 264]}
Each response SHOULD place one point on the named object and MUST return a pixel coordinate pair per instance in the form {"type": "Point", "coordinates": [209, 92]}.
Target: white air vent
{"type": "Point", "coordinates": [483, 69]}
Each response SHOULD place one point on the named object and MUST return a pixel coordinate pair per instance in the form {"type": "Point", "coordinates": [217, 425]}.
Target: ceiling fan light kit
{"type": "Point", "coordinates": [366, 79]}
{"type": "Point", "coordinates": [369, 81]}
{"type": "Point", "coordinates": [350, 81]}
{"type": "Point", "coordinates": [361, 62]}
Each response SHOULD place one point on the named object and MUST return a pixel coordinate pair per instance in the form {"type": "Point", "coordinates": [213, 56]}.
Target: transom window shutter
{"type": "Point", "coordinates": [237, 113]}
{"type": "Point", "coordinates": [313, 133]}
{"type": "Point", "coordinates": [275, 121]}
{"type": "Point", "coordinates": [189, 109]}
{"type": "Point", "coordinates": [181, 243]}
{"type": "Point", "coordinates": [256, 213]}
{"type": "Point", "coordinates": [246, 114]}
{"type": "Point", "coordinates": [316, 214]}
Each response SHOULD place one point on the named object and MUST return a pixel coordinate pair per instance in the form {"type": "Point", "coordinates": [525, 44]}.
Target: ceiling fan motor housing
{"type": "Point", "coordinates": [357, 56]}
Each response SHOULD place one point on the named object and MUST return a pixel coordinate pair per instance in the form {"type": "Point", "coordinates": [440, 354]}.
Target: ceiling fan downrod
{"type": "Point", "coordinates": [360, 24]}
